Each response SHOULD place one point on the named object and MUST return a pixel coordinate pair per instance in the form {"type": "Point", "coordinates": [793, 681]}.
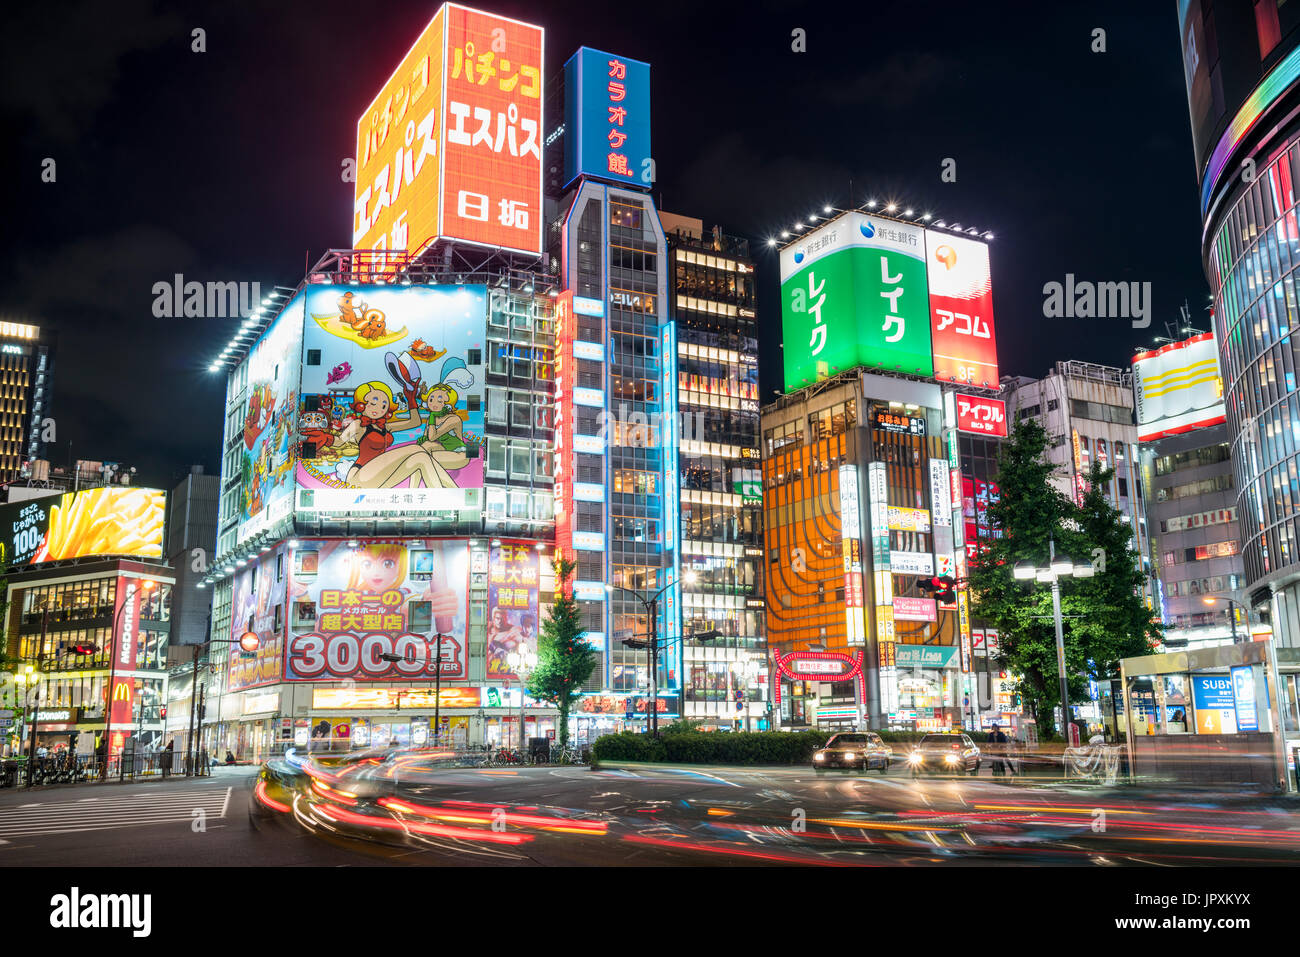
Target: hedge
{"type": "Point", "coordinates": [730, 747]}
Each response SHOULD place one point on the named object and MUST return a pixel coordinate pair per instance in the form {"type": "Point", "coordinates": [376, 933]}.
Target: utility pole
{"type": "Point", "coordinates": [191, 750]}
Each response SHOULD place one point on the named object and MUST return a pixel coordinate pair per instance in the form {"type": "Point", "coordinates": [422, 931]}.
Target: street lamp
{"type": "Point", "coordinates": [437, 684]}
{"type": "Point", "coordinates": [652, 642]}
{"type": "Point", "coordinates": [28, 678]}
{"type": "Point", "coordinates": [248, 643]}
{"type": "Point", "coordinates": [1058, 567]}
{"type": "Point", "coordinates": [1232, 614]}
{"type": "Point", "coordinates": [522, 662]}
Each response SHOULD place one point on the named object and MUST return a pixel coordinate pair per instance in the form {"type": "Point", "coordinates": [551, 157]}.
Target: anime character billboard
{"type": "Point", "coordinates": [267, 425]}
{"type": "Point", "coordinates": [391, 411]}
{"type": "Point", "coordinates": [257, 604]}
{"type": "Point", "coordinates": [351, 604]}
{"type": "Point", "coordinates": [512, 605]}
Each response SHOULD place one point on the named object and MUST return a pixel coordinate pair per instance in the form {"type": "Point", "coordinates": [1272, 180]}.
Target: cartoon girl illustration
{"type": "Point", "coordinates": [378, 465]}
{"type": "Point", "coordinates": [376, 569]}
{"type": "Point", "coordinates": [444, 435]}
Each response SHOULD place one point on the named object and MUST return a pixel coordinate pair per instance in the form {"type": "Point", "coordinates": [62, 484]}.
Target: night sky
{"type": "Point", "coordinates": [225, 165]}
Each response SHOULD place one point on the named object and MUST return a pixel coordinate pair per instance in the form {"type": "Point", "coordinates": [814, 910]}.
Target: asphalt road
{"type": "Point", "coordinates": [643, 816]}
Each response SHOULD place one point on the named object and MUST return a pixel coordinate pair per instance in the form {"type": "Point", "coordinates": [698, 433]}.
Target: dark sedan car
{"type": "Point", "coordinates": [952, 752]}
{"type": "Point", "coordinates": [861, 749]}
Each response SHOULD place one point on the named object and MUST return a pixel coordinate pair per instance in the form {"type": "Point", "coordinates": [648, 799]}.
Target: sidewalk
{"type": "Point", "coordinates": [221, 774]}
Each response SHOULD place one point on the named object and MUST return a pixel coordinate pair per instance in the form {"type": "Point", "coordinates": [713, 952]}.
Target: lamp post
{"type": "Point", "coordinates": [248, 642]}
{"type": "Point", "coordinates": [28, 678]}
{"type": "Point", "coordinates": [522, 662]}
{"type": "Point", "coordinates": [651, 605]}
{"type": "Point", "coordinates": [437, 683]}
{"type": "Point", "coordinates": [1058, 567]}
{"type": "Point", "coordinates": [1232, 614]}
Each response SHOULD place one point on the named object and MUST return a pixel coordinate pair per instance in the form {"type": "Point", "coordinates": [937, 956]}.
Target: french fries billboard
{"type": "Point", "coordinates": [100, 521]}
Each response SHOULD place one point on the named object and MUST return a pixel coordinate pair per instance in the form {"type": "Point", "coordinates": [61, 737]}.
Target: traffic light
{"type": "Point", "coordinates": [941, 588]}
{"type": "Point", "coordinates": [163, 713]}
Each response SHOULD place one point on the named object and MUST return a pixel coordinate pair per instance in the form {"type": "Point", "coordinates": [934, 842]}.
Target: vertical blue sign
{"type": "Point", "coordinates": [607, 118]}
{"type": "Point", "coordinates": [1243, 697]}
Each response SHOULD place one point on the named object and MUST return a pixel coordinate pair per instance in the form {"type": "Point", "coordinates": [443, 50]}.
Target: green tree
{"type": "Point", "coordinates": [1117, 624]}
{"type": "Point", "coordinates": [564, 661]}
{"type": "Point", "coordinates": [1104, 617]}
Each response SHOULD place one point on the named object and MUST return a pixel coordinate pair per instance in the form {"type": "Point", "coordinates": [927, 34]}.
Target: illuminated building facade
{"type": "Point", "coordinates": [26, 378]}
{"type": "Point", "coordinates": [1242, 69]}
{"type": "Point", "coordinates": [714, 305]}
{"type": "Point", "coordinates": [857, 509]}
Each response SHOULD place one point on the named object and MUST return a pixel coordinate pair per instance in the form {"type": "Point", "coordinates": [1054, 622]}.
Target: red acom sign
{"type": "Point", "coordinates": [981, 416]}
{"type": "Point", "coordinates": [819, 666]}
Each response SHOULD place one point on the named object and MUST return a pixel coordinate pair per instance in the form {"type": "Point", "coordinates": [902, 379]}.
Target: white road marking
{"type": "Point", "coordinates": [120, 811]}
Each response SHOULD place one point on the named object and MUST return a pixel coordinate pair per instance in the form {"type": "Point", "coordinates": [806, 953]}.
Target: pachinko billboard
{"type": "Point", "coordinates": [350, 604]}
{"type": "Point", "coordinates": [257, 605]}
{"type": "Point", "coordinates": [512, 605]}
{"type": "Point", "coordinates": [391, 409]}
{"type": "Point", "coordinates": [266, 431]}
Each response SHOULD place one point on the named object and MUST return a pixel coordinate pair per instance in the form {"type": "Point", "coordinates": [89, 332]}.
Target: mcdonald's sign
{"type": "Point", "coordinates": [122, 706]}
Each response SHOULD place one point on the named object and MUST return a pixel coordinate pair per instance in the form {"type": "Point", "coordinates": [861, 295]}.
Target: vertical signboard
{"type": "Point", "coordinates": [399, 137]}
{"type": "Point", "coordinates": [851, 537]}
{"type": "Point", "coordinates": [452, 144]}
{"type": "Point", "coordinates": [853, 293]}
{"type": "Point", "coordinates": [607, 113]}
{"type": "Point", "coordinates": [961, 309]}
{"type": "Point", "coordinates": [882, 579]}
{"type": "Point", "coordinates": [565, 371]}
{"type": "Point", "coordinates": [257, 601]}
{"type": "Point", "coordinates": [1243, 698]}
{"type": "Point", "coordinates": [492, 157]}
{"type": "Point", "coordinates": [513, 570]}
{"type": "Point", "coordinates": [122, 694]}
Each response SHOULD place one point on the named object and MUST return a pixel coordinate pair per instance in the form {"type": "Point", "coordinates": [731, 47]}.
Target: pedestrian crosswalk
{"type": "Point", "coordinates": [112, 810]}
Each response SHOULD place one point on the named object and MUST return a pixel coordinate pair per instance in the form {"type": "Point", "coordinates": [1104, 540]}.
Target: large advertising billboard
{"type": "Point", "coordinates": [1177, 388]}
{"type": "Point", "coordinates": [853, 293]}
{"type": "Point", "coordinates": [513, 571]}
{"type": "Point", "coordinates": [452, 145]}
{"type": "Point", "coordinates": [961, 309]}
{"type": "Point", "coordinates": [351, 604]}
{"type": "Point", "coordinates": [268, 442]}
{"type": "Point", "coordinates": [257, 604]}
{"type": "Point", "coordinates": [391, 409]}
{"type": "Point", "coordinates": [607, 113]}
{"type": "Point", "coordinates": [114, 520]}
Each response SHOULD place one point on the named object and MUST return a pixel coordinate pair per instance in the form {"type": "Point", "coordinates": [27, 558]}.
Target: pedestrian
{"type": "Point", "coordinates": [230, 757]}
{"type": "Point", "coordinates": [167, 757]}
{"type": "Point", "coordinates": [998, 740]}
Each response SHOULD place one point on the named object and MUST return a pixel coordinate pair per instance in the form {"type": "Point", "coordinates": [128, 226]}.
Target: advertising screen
{"type": "Point", "coordinates": [512, 604]}
{"type": "Point", "coordinates": [115, 520]}
{"type": "Point", "coordinates": [961, 309]}
{"type": "Point", "coordinates": [1178, 388]}
{"type": "Point", "coordinates": [348, 605]}
{"type": "Point", "coordinates": [268, 448]}
{"type": "Point", "coordinates": [452, 145]}
{"type": "Point", "coordinates": [607, 114]}
{"type": "Point", "coordinates": [391, 410]}
{"type": "Point", "coordinates": [981, 416]}
{"type": "Point", "coordinates": [257, 600]}
{"type": "Point", "coordinates": [853, 293]}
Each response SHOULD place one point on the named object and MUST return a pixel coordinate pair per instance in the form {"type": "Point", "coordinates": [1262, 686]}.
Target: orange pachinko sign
{"type": "Point", "coordinates": [452, 145]}
{"type": "Point", "coordinates": [399, 151]}
{"type": "Point", "coordinates": [492, 164]}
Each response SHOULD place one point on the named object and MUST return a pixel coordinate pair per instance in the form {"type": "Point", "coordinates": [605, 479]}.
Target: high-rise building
{"type": "Point", "coordinates": [714, 306]}
{"type": "Point", "coordinates": [1242, 64]}
{"type": "Point", "coordinates": [889, 357]}
{"type": "Point", "coordinates": [26, 377]}
{"type": "Point", "coordinates": [1190, 494]}
{"type": "Point", "coordinates": [1087, 412]}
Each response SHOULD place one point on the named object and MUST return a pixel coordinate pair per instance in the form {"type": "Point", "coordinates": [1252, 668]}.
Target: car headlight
{"type": "Point", "coordinates": [849, 755]}
{"type": "Point", "coordinates": [952, 758]}
{"type": "Point", "coordinates": [915, 757]}
{"type": "Point", "coordinates": [819, 756]}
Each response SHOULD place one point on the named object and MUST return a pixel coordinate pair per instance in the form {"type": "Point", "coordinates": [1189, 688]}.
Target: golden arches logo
{"type": "Point", "coordinates": [122, 691]}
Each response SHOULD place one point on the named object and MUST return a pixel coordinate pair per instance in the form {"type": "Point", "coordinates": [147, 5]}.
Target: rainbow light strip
{"type": "Point", "coordinates": [1261, 98]}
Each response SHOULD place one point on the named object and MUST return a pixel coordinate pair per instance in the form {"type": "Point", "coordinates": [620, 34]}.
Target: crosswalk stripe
{"type": "Point", "coordinates": [74, 816]}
